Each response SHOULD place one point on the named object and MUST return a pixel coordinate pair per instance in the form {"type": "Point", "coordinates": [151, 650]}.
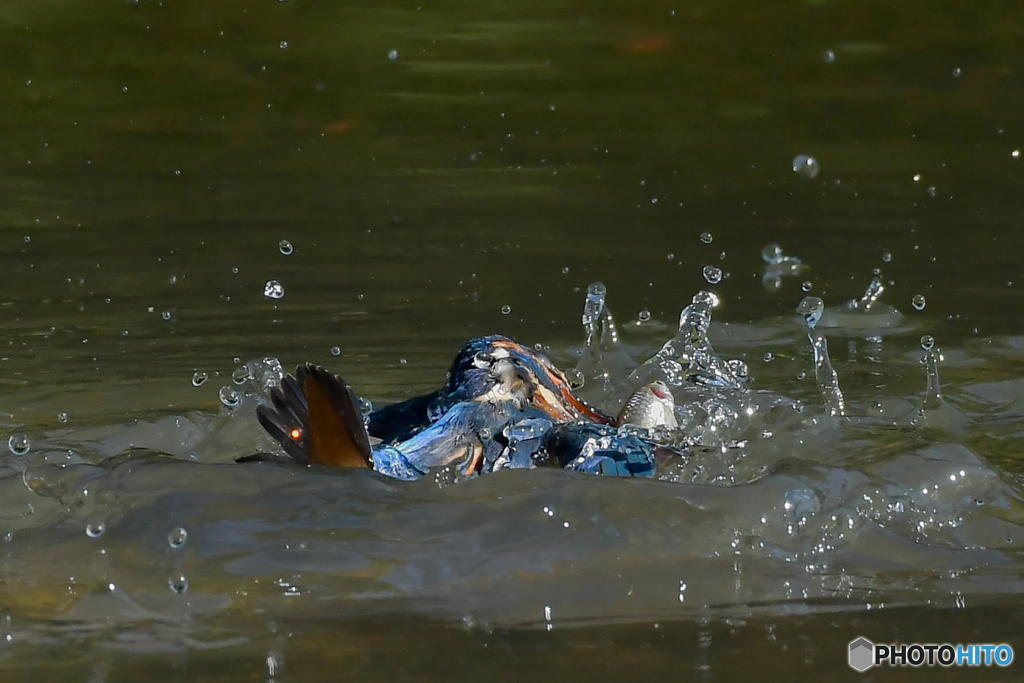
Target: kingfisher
{"type": "Point", "coordinates": [502, 405]}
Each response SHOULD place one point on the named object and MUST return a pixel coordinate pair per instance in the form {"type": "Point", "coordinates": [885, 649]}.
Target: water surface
{"type": "Point", "coordinates": [433, 164]}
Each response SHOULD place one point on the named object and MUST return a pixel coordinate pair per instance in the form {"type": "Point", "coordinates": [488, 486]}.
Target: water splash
{"type": "Point", "coordinates": [801, 513]}
{"type": "Point", "coordinates": [812, 308]}
{"type": "Point", "coordinates": [930, 360]}
{"type": "Point", "coordinates": [602, 357]}
{"type": "Point", "coordinates": [609, 328]}
{"type": "Point", "coordinates": [590, 365]}
{"type": "Point", "coordinates": [865, 313]}
{"type": "Point", "coordinates": [593, 306]}
{"type": "Point", "coordinates": [934, 411]}
{"type": "Point", "coordinates": [688, 357]}
{"type": "Point", "coordinates": [259, 376]}
{"type": "Point", "coordinates": [777, 266]}
{"type": "Point", "coordinates": [715, 412]}
{"type": "Point", "coordinates": [871, 295]}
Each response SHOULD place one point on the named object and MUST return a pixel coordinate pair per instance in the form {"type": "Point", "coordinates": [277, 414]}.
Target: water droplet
{"type": "Point", "coordinates": [957, 72]}
{"type": "Point", "coordinates": [806, 286]}
{"type": "Point", "coordinates": [806, 166]}
{"type": "Point", "coordinates": [707, 237]}
{"type": "Point", "coordinates": [829, 56]}
{"type": "Point", "coordinates": [273, 290]}
{"type": "Point", "coordinates": [229, 397]}
{"type": "Point", "coordinates": [927, 342]}
{"type": "Point", "coordinates": [705, 298]}
{"type": "Point", "coordinates": [392, 55]}
{"type": "Point", "coordinates": [506, 309]}
{"type": "Point", "coordinates": [738, 368]}
{"type": "Point", "coordinates": [887, 256]}
{"type": "Point", "coordinates": [95, 529]}
{"type": "Point", "coordinates": [178, 583]}
{"type": "Point", "coordinates": [643, 316]}
{"type": "Point", "coordinates": [19, 444]}
{"type": "Point", "coordinates": [285, 247]}
{"type": "Point", "coordinates": [335, 350]}
{"type": "Point", "coordinates": [274, 664]}
{"type": "Point", "coordinates": [713, 274]}
{"type": "Point", "coordinates": [932, 191]}
{"type": "Point", "coordinates": [918, 302]}
{"type": "Point", "coordinates": [772, 253]}
{"type": "Point", "coordinates": [575, 377]}
{"type": "Point", "coordinates": [403, 361]}
{"type": "Point", "coordinates": [768, 356]}
{"type": "Point", "coordinates": [177, 537]}
{"type": "Point", "coordinates": [811, 308]}
{"type": "Point", "coordinates": [166, 315]}
{"type": "Point", "coordinates": [1015, 154]}
{"type": "Point", "coordinates": [6, 629]}
{"type": "Point", "coordinates": [62, 417]}
{"type": "Point", "coordinates": [199, 378]}
{"type": "Point", "coordinates": [283, 45]}
{"type": "Point", "coordinates": [240, 374]}
{"type": "Point", "coordinates": [916, 178]}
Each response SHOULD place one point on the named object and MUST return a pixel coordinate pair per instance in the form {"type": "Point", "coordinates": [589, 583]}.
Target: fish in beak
{"type": "Point", "coordinates": [650, 407]}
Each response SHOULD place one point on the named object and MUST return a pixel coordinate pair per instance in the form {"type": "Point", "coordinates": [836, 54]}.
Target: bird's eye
{"type": "Point", "coordinates": [296, 434]}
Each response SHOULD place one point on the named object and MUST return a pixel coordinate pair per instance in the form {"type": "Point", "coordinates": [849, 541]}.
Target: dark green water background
{"type": "Point", "coordinates": [510, 153]}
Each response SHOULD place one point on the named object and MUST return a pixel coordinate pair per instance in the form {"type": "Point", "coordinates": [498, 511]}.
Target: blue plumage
{"type": "Point", "coordinates": [502, 405]}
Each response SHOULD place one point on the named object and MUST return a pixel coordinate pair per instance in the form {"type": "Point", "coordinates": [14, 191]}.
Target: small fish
{"type": "Point", "coordinates": [650, 407]}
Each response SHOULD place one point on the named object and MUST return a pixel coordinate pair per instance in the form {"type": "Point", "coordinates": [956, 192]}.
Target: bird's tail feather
{"type": "Point", "coordinates": [315, 417]}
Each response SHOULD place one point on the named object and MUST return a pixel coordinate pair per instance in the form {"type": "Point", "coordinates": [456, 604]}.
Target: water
{"type": "Point", "coordinates": [506, 156]}
{"type": "Point", "coordinates": [812, 308]}
{"type": "Point", "coordinates": [273, 290]}
{"type": "Point", "coordinates": [806, 166]}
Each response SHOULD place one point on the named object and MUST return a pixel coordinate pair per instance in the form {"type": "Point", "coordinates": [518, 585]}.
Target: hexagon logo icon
{"type": "Point", "coordinates": [861, 655]}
